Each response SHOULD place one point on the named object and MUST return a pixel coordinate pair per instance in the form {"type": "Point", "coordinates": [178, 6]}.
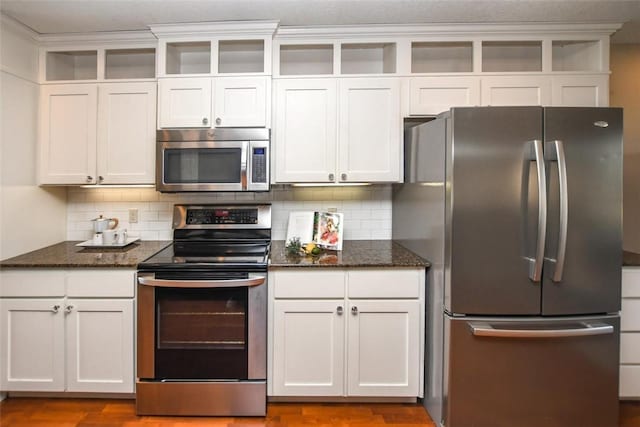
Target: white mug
{"type": "Point", "coordinates": [97, 239]}
{"type": "Point", "coordinates": [122, 237]}
{"type": "Point", "coordinates": [109, 237]}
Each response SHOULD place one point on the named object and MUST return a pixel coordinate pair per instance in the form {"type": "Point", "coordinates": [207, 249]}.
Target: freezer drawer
{"type": "Point", "coordinates": [543, 372]}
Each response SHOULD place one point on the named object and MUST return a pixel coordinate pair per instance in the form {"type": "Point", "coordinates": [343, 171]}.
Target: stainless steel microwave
{"type": "Point", "coordinates": [221, 159]}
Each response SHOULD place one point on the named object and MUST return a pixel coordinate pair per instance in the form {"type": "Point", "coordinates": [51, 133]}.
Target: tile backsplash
{"type": "Point", "coordinates": [366, 209]}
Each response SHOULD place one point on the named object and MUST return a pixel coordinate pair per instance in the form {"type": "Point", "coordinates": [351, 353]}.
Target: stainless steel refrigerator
{"type": "Point", "coordinates": [519, 210]}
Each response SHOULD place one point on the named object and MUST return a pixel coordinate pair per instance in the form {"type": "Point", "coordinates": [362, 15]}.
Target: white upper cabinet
{"type": "Point", "coordinates": [97, 109]}
{"type": "Point", "coordinates": [580, 91]}
{"type": "Point", "coordinates": [68, 123]}
{"type": "Point", "coordinates": [370, 130]}
{"type": "Point", "coordinates": [214, 74]}
{"type": "Point", "coordinates": [433, 95]}
{"type": "Point", "coordinates": [305, 132]}
{"type": "Point", "coordinates": [126, 133]}
{"type": "Point", "coordinates": [516, 90]}
{"type": "Point", "coordinates": [241, 101]}
{"type": "Point", "coordinates": [330, 131]}
{"type": "Point", "coordinates": [97, 133]}
{"type": "Point", "coordinates": [184, 102]}
{"type": "Point", "coordinates": [206, 102]}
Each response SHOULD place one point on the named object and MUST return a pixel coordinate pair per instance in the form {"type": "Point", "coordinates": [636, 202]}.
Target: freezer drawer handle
{"type": "Point", "coordinates": [253, 280]}
{"type": "Point", "coordinates": [482, 329]}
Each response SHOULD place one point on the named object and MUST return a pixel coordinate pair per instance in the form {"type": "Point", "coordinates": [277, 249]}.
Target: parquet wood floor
{"type": "Point", "coordinates": [39, 412]}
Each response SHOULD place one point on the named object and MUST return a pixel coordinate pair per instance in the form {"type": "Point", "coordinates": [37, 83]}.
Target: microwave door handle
{"type": "Point", "coordinates": [251, 281]}
{"type": "Point", "coordinates": [243, 164]}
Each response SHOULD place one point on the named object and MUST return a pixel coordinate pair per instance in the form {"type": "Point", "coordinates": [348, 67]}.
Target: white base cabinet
{"type": "Point", "coordinates": [339, 333]}
{"type": "Point", "coordinates": [67, 331]}
{"type": "Point", "coordinates": [630, 334]}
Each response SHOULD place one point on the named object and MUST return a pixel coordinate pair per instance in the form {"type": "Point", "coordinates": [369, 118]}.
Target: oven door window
{"type": "Point", "coordinates": [203, 166]}
{"type": "Point", "coordinates": [201, 333]}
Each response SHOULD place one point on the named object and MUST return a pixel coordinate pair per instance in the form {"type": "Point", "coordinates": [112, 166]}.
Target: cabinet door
{"type": "Point", "coordinates": [240, 101]}
{"type": "Point", "coordinates": [580, 91]}
{"type": "Point", "coordinates": [100, 345]}
{"type": "Point", "coordinates": [305, 130]}
{"type": "Point", "coordinates": [515, 90]}
{"type": "Point", "coordinates": [68, 120]}
{"type": "Point", "coordinates": [370, 130]}
{"type": "Point", "coordinates": [308, 348]}
{"type": "Point", "coordinates": [32, 344]}
{"type": "Point", "coordinates": [383, 348]}
{"type": "Point", "coordinates": [433, 95]}
{"type": "Point", "coordinates": [184, 102]}
{"type": "Point", "coordinates": [126, 133]}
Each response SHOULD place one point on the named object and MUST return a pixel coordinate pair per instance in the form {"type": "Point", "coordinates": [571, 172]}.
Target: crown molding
{"type": "Point", "coordinates": [215, 29]}
{"type": "Point", "coordinates": [523, 29]}
{"type": "Point", "coordinates": [18, 27]}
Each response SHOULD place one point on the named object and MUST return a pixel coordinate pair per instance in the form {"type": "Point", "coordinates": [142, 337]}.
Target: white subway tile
{"type": "Point", "coordinates": [367, 210]}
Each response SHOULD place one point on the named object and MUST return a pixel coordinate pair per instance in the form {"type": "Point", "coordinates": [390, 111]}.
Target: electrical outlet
{"type": "Point", "coordinates": [133, 215]}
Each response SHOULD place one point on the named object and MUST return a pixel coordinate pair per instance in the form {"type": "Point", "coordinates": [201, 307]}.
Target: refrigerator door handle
{"type": "Point", "coordinates": [558, 148]}
{"type": "Point", "coordinates": [535, 265]}
{"type": "Point", "coordinates": [484, 329]}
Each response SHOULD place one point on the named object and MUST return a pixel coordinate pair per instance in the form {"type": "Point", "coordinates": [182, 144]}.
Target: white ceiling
{"type": "Point", "coordinates": [63, 16]}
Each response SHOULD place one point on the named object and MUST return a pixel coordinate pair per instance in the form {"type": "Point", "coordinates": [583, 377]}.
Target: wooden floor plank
{"type": "Point", "coordinates": [41, 412]}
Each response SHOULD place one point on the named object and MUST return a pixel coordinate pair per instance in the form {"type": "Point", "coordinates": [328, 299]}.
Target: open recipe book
{"type": "Point", "coordinates": [322, 228]}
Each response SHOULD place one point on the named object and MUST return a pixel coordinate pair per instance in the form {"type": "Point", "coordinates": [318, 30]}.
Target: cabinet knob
{"type": "Point", "coordinates": [68, 309]}
{"type": "Point", "coordinates": [354, 310]}
{"type": "Point", "coordinates": [331, 177]}
{"type": "Point", "coordinates": [343, 177]}
{"type": "Point", "coordinates": [339, 310]}
{"type": "Point", "coordinates": [89, 178]}
{"type": "Point", "coordinates": [218, 121]}
{"type": "Point", "coordinates": [100, 178]}
{"type": "Point", "coordinates": [55, 308]}
{"type": "Point", "coordinates": [205, 121]}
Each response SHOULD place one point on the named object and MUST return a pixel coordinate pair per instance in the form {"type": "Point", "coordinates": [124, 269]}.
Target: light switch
{"type": "Point", "coordinates": [133, 215]}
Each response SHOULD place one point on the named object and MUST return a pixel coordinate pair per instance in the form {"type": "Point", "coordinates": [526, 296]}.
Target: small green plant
{"type": "Point", "coordinates": [293, 246]}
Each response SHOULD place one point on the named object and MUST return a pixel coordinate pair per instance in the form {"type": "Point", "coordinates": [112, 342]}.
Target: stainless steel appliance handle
{"type": "Point", "coordinates": [564, 211]}
{"type": "Point", "coordinates": [482, 329]}
{"type": "Point", "coordinates": [535, 270]}
{"type": "Point", "coordinates": [253, 280]}
{"type": "Point", "coordinates": [243, 165]}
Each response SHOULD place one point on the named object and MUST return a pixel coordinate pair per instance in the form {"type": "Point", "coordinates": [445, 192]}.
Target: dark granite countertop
{"type": "Point", "coordinates": [355, 253]}
{"type": "Point", "coordinates": [68, 255]}
{"type": "Point", "coordinates": [630, 259]}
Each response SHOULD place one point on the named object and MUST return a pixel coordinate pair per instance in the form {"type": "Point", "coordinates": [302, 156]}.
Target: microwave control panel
{"type": "Point", "coordinates": [259, 164]}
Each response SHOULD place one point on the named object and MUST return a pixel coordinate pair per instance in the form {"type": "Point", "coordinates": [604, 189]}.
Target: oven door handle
{"type": "Point", "coordinates": [231, 283]}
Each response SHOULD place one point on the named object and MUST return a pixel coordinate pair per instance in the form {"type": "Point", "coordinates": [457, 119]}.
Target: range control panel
{"type": "Point", "coordinates": [222, 216]}
{"type": "Point", "coordinates": [212, 216]}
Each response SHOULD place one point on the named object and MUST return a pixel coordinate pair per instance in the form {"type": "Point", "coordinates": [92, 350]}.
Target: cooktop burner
{"type": "Point", "coordinates": [216, 237]}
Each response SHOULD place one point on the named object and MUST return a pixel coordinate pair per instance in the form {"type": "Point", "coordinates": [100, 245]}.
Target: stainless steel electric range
{"type": "Point", "coordinates": [202, 315]}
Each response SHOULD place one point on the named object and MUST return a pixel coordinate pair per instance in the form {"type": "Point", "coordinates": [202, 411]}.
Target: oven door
{"type": "Point", "coordinates": [210, 326]}
{"type": "Point", "coordinates": [201, 166]}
